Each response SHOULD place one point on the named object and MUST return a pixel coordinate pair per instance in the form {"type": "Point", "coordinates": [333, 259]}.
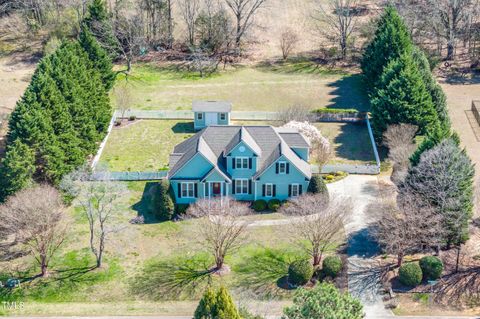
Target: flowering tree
{"type": "Point", "coordinates": [321, 148]}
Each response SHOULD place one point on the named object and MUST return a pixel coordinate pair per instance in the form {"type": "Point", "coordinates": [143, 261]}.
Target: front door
{"type": "Point", "coordinates": [216, 189]}
{"type": "Point", "coordinates": [211, 119]}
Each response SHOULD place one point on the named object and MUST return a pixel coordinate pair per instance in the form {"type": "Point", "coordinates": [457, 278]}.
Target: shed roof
{"type": "Point", "coordinates": [212, 106]}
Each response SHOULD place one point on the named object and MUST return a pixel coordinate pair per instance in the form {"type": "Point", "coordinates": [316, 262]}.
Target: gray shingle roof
{"type": "Point", "coordinates": [213, 142]}
{"type": "Point", "coordinates": [295, 140]}
{"type": "Point", "coordinates": [212, 106]}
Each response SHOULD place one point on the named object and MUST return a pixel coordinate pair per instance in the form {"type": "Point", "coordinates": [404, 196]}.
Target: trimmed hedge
{"type": "Point", "coordinates": [332, 265]}
{"type": "Point", "coordinates": [259, 205]}
{"type": "Point", "coordinates": [336, 111]}
{"type": "Point", "coordinates": [410, 274]}
{"type": "Point", "coordinates": [317, 185]}
{"type": "Point", "coordinates": [274, 204]}
{"type": "Point", "coordinates": [300, 272]}
{"type": "Point", "coordinates": [432, 267]}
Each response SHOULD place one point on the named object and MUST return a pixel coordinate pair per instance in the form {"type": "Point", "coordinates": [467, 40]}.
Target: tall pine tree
{"type": "Point", "coordinates": [392, 39]}
{"type": "Point", "coordinates": [98, 23]}
{"type": "Point", "coordinates": [16, 169]}
{"type": "Point", "coordinates": [402, 97]}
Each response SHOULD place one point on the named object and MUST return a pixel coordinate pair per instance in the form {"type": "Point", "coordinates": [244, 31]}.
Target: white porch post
{"type": "Point", "coordinates": [204, 184]}
{"type": "Point", "coordinates": [255, 191]}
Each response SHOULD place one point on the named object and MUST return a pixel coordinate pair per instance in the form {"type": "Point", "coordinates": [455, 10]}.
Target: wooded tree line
{"type": "Point", "coordinates": [434, 179]}
{"type": "Point", "coordinates": [61, 118]}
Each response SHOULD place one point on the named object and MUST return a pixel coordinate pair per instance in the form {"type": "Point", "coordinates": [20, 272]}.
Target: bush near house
{"type": "Point", "coordinates": [164, 207]}
{"type": "Point", "coordinates": [180, 209]}
{"type": "Point", "coordinates": [410, 274]}
{"type": "Point", "coordinates": [260, 205]}
{"type": "Point", "coordinates": [317, 185]}
{"type": "Point", "coordinates": [274, 204]}
{"type": "Point", "coordinates": [300, 272]}
{"type": "Point", "coordinates": [432, 267]}
{"type": "Point", "coordinates": [332, 265]}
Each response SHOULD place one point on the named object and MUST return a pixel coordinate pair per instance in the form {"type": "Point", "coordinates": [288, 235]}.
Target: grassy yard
{"type": "Point", "coordinates": [263, 87]}
{"type": "Point", "coordinates": [146, 145]}
{"type": "Point", "coordinates": [73, 289]}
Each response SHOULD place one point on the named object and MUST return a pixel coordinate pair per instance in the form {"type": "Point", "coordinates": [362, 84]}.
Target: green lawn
{"type": "Point", "coordinates": [263, 87]}
{"type": "Point", "coordinates": [144, 145]}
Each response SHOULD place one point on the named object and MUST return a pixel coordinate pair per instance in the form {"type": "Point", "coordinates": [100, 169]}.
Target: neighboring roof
{"type": "Point", "coordinates": [212, 106]}
{"type": "Point", "coordinates": [214, 142]}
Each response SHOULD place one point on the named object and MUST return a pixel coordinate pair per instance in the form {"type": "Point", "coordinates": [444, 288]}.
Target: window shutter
{"type": "Point", "coordinates": [195, 190]}
{"type": "Point", "coordinates": [250, 163]}
{"type": "Point", "coordinates": [274, 190]}
{"type": "Point", "coordinates": [233, 186]}
{"type": "Point", "coordinates": [300, 190]}
{"type": "Point", "coordinates": [263, 190]}
{"type": "Point", "coordinates": [289, 190]}
{"type": "Point", "coordinates": [179, 190]}
{"type": "Point", "coordinates": [276, 168]}
{"type": "Point", "coordinates": [250, 186]}
{"type": "Point", "coordinates": [233, 163]}
{"type": "Point", "coordinates": [288, 168]}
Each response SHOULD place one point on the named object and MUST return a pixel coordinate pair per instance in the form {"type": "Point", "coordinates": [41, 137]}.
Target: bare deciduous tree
{"type": "Point", "coordinates": [288, 40]}
{"type": "Point", "coordinates": [399, 139]}
{"type": "Point", "coordinates": [35, 218]}
{"type": "Point", "coordinates": [203, 63]}
{"type": "Point", "coordinates": [221, 229]}
{"type": "Point", "coordinates": [190, 10]}
{"type": "Point", "coordinates": [299, 113]}
{"type": "Point", "coordinates": [405, 226]}
{"type": "Point", "coordinates": [96, 195]}
{"type": "Point", "coordinates": [123, 98]}
{"type": "Point", "coordinates": [336, 20]}
{"type": "Point", "coordinates": [317, 223]}
{"type": "Point", "coordinates": [130, 35]}
{"type": "Point", "coordinates": [244, 12]}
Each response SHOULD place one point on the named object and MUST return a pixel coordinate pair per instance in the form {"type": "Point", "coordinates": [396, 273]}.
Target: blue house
{"type": "Point", "coordinates": [243, 162]}
{"type": "Point", "coordinates": [211, 113]}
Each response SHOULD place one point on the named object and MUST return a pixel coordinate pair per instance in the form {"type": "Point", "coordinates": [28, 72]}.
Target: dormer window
{"type": "Point", "coordinates": [241, 162]}
{"type": "Point", "coordinates": [282, 167]}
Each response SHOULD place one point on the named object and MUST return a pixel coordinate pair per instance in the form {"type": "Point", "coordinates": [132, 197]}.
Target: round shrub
{"type": "Point", "coordinates": [332, 265]}
{"type": "Point", "coordinates": [259, 205]}
{"type": "Point", "coordinates": [410, 274]}
{"type": "Point", "coordinates": [330, 177]}
{"type": "Point", "coordinates": [164, 207]}
{"type": "Point", "coordinates": [432, 267]}
{"type": "Point", "coordinates": [317, 185]}
{"type": "Point", "coordinates": [300, 272]}
{"type": "Point", "coordinates": [273, 204]}
{"type": "Point", "coordinates": [132, 118]}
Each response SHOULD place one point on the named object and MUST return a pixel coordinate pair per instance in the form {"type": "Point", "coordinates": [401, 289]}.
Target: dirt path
{"type": "Point", "coordinates": [14, 78]}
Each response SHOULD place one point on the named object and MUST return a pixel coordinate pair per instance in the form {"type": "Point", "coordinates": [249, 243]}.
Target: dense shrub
{"type": "Point", "coordinates": [216, 304]}
{"type": "Point", "coordinates": [274, 204]}
{"type": "Point", "coordinates": [432, 267]}
{"type": "Point", "coordinates": [132, 118]}
{"type": "Point", "coordinates": [410, 274]}
{"type": "Point", "coordinates": [332, 265]}
{"type": "Point", "coordinates": [300, 272]}
{"type": "Point", "coordinates": [317, 185]}
{"type": "Point", "coordinates": [180, 209]}
{"type": "Point", "coordinates": [164, 208]}
{"type": "Point", "coordinates": [259, 205]}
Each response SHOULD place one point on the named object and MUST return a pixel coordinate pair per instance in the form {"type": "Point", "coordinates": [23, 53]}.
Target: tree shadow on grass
{"type": "Point", "coordinates": [350, 93]}
{"type": "Point", "coordinates": [145, 207]}
{"type": "Point", "coordinates": [353, 143]}
{"type": "Point", "coordinates": [182, 128]}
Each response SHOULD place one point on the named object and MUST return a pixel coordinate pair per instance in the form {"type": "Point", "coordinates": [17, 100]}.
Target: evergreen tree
{"type": "Point", "coordinates": [216, 305]}
{"type": "Point", "coordinates": [402, 97]}
{"type": "Point", "coordinates": [16, 169]}
{"type": "Point", "coordinates": [439, 98]}
{"type": "Point", "coordinates": [98, 57]}
{"type": "Point", "coordinates": [443, 178]}
{"type": "Point", "coordinates": [392, 39]}
{"type": "Point", "coordinates": [98, 23]}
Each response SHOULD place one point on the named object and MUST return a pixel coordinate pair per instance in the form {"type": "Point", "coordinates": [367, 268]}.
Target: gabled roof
{"type": "Point", "coordinates": [245, 137]}
{"type": "Point", "coordinates": [212, 106]}
{"type": "Point", "coordinates": [213, 143]}
{"type": "Point", "coordinates": [292, 138]}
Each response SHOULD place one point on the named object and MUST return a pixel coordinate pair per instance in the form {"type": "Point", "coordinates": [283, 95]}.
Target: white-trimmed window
{"type": "Point", "coordinates": [223, 116]}
{"type": "Point", "coordinates": [295, 190]}
{"type": "Point", "coordinates": [241, 162]}
{"type": "Point", "coordinates": [199, 116]}
{"type": "Point", "coordinates": [282, 167]}
{"type": "Point", "coordinates": [268, 190]}
{"type": "Point", "coordinates": [188, 190]}
{"type": "Point", "coordinates": [241, 186]}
